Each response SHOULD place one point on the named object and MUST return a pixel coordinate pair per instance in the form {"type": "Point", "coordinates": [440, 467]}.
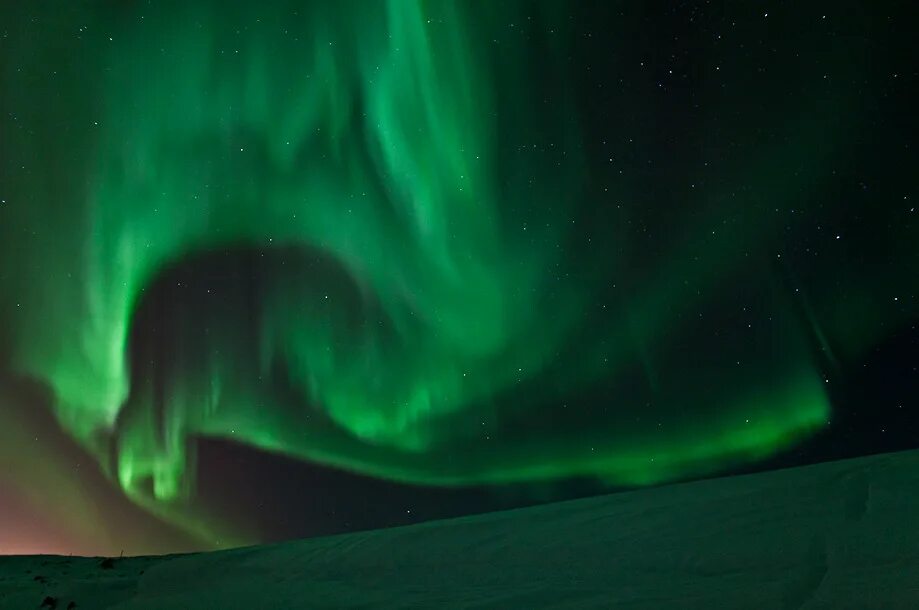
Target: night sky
{"type": "Point", "coordinates": [280, 269]}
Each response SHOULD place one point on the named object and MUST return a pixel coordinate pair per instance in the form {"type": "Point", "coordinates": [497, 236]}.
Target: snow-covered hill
{"type": "Point", "coordinates": [834, 535]}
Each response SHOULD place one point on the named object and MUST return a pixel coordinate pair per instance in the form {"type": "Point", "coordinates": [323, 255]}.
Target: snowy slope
{"type": "Point", "coordinates": [835, 535]}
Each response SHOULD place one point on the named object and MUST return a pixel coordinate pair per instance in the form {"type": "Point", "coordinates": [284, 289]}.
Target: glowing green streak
{"type": "Point", "coordinates": [428, 248]}
{"type": "Point", "coordinates": [389, 137]}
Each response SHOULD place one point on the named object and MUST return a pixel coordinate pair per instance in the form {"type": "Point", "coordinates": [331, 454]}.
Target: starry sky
{"type": "Point", "coordinates": [284, 269]}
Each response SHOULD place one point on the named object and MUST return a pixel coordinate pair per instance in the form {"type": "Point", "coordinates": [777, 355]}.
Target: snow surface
{"type": "Point", "coordinates": [834, 535]}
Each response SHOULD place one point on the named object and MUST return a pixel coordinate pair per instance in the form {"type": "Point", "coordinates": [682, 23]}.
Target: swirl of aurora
{"type": "Point", "coordinates": [359, 238]}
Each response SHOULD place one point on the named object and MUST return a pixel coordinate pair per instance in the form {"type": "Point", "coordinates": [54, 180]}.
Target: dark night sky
{"type": "Point", "coordinates": [288, 269]}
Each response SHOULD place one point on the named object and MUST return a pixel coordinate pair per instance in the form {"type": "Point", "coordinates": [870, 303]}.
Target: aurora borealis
{"type": "Point", "coordinates": [439, 243]}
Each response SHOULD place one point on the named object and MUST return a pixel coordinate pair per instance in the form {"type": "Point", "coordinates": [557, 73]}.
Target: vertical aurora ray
{"type": "Point", "coordinates": [358, 237]}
